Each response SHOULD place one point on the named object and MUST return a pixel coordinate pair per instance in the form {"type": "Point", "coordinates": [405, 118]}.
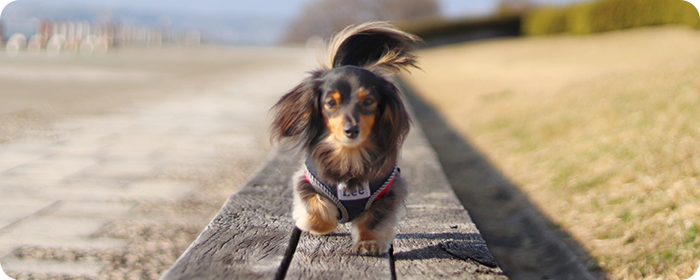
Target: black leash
{"type": "Point", "coordinates": [289, 254]}
{"type": "Point", "coordinates": [391, 262]}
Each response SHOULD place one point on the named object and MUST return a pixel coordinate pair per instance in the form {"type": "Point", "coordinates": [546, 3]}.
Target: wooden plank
{"type": "Point", "coordinates": [248, 237]}
{"type": "Point", "coordinates": [329, 257]}
{"type": "Point", "coordinates": [436, 238]}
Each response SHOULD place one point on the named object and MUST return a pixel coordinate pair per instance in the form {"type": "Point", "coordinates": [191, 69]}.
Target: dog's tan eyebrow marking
{"type": "Point", "coordinates": [336, 96]}
{"type": "Point", "coordinates": [362, 93]}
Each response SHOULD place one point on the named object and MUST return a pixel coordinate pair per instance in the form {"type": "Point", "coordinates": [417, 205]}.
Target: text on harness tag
{"type": "Point", "coordinates": [359, 193]}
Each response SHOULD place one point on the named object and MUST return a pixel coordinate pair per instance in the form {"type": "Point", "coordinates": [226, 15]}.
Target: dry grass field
{"type": "Point", "coordinates": [601, 132]}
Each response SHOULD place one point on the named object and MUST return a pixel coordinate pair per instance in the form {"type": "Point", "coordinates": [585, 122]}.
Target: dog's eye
{"type": "Point", "coordinates": [368, 102]}
{"type": "Point", "coordinates": [331, 103]}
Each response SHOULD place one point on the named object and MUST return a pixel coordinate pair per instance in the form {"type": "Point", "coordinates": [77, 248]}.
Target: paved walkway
{"type": "Point", "coordinates": [103, 189]}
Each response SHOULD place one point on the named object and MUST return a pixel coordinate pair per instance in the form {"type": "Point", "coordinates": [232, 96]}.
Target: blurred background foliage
{"type": "Point", "coordinates": [324, 17]}
{"type": "Point", "coordinates": [425, 18]}
{"type": "Point", "coordinates": [608, 15]}
{"type": "Point", "coordinates": [320, 19]}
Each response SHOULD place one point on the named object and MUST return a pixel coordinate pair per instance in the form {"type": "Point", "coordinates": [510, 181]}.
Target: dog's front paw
{"type": "Point", "coordinates": [370, 247]}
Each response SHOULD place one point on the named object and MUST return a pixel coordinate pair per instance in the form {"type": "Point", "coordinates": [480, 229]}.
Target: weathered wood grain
{"type": "Point", "coordinates": [248, 237]}
{"type": "Point", "coordinates": [329, 257]}
{"type": "Point", "coordinates": [436, 238]}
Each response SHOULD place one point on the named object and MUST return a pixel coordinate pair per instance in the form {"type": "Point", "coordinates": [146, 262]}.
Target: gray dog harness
{"type": "Point", "coordinates": [350, 204]}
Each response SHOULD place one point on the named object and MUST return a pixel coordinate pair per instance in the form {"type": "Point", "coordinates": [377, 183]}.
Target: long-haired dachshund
{"type": "Point", "coordinates": [350, 120]}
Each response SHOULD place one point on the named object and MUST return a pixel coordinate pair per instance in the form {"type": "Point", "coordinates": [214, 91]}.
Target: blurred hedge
{"type": "Point", "coordinates": [606, 15]}
{"type": "Point", "coordinates": [432, 28]}
{"type": "Point", "coordinates": [544, 21]}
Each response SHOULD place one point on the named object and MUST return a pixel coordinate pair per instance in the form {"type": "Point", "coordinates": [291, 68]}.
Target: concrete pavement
{"type": "Point", "coordinates": [122, 194]}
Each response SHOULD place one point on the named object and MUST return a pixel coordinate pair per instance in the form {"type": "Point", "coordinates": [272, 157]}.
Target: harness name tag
{"type": "Point", "coordinates": [359, 193]}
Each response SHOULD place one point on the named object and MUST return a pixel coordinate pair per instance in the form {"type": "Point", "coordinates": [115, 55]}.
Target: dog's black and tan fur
{"type": "Point", "coordinates": [350, 120]}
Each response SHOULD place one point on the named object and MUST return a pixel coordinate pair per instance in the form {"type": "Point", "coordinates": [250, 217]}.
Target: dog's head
{"type": "Point", "coordinates": [353, 100]}
{"type": "Point", "coordinates": [350, 100]}
{"type": "Point", "coordinates": [350, 105]}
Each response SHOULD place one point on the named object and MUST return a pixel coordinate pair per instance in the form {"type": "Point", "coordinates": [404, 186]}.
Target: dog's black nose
{"type": "Point", "coordinates": [351, 131]}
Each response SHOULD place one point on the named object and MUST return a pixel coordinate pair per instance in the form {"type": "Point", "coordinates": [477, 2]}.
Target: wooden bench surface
{"type": "Point", "coordinates": [250, 234]}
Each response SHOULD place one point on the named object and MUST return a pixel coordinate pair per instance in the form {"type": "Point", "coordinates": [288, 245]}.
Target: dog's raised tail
{"type": "Point", "coordinates": [377, 46]}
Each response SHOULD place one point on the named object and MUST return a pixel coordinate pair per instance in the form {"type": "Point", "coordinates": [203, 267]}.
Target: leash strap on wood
{"type": "Point", "coordinates": [391, 262]}
{"type": "Point", "coordinates": [294, 241]}
{"type": "Point", "coordinates": [289, 254]}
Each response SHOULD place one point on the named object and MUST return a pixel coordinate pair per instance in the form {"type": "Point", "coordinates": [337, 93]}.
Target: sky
{"type": "Point", "coordinates": [260, 22]}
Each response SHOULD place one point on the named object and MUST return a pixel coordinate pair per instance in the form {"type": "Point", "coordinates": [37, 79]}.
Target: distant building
{"type": "Point", "coordinates": [2, 34]}
{"type": "Point", "coordinates": [72, 36]}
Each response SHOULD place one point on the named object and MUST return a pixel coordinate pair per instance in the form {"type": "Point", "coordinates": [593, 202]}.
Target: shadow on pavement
{"type": "Point", "coordinates": [524, 242]}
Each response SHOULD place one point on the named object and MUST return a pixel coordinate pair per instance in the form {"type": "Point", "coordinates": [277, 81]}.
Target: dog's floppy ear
{"type": "Point", "coordinates": [393, 120]}
{"type": "Point", "coordinates": [296, 114]}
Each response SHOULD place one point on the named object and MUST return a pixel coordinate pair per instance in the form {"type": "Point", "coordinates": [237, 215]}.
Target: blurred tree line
{"type": "Point", "coordinates": [322, 18]}
{"type": "Point", "coordinates": [607, 15]}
